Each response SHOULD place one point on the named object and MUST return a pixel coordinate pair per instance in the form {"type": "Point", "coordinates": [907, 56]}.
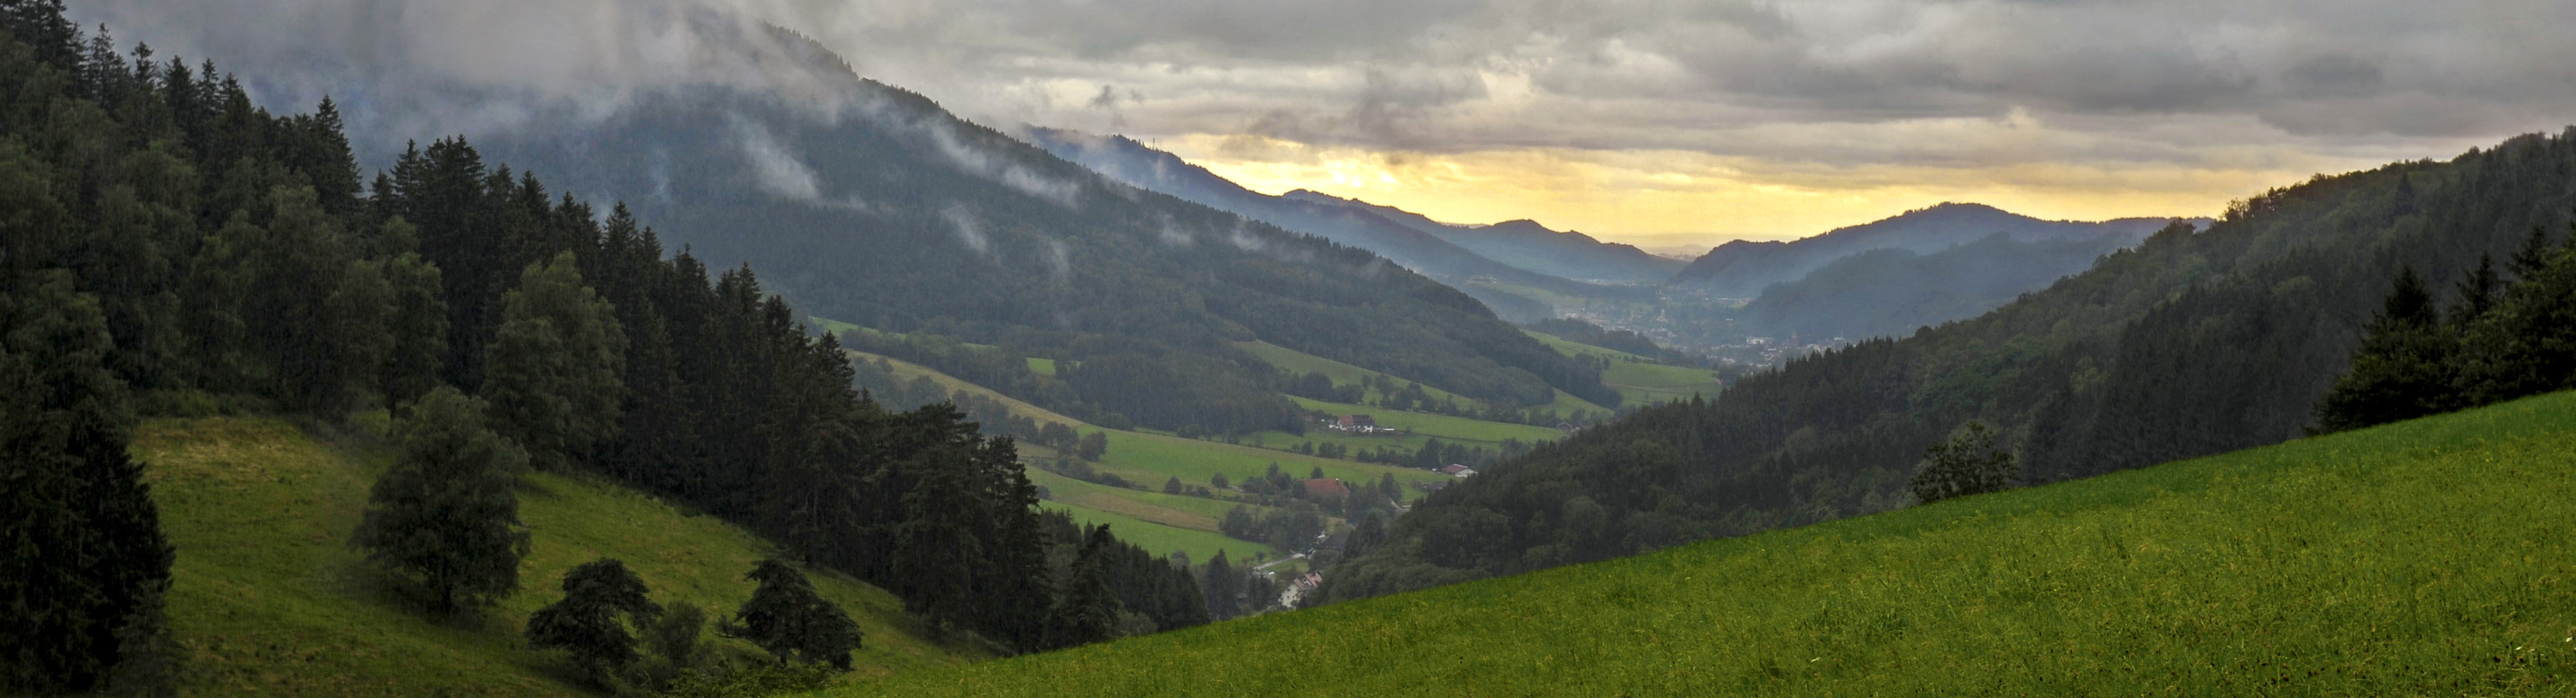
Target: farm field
{"type": "Point", "coordinates": [1640, 381]}
{"type": "Point", "coordinates": [1163, 540]}
{"type": "Point", "coordinates": [269, 599]}
{"type": "Point", "coordinates": [2420, 558]}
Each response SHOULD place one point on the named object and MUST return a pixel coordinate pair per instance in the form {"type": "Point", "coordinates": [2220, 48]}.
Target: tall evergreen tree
{"type": "Point", "coordinates": [443, 522]}
{"type": "Point", "coordinates": [555, 370]}
{"type": "Point", "coordinates": [87, 560]}
{"type": "Point", "coordinates": [2402, 369]}
{"type": "Point", "coordinates": [1221, 585]}
{"type": "Point", "coordinates": [1088, 611]}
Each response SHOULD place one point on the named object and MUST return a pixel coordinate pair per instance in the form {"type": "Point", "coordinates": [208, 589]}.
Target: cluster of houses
{"type": "Point", "coordinates": [1305, 584]}
{"type": "Point", "coordinates": [1359, 424]}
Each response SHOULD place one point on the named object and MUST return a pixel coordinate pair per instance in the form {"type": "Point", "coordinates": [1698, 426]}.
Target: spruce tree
{"type": "Point", "coordinates": [1088, 610]}
{"type": "Point", "coordinates": [601, 598]}
{"type": "Point", "coordinates": [555, 373]}
{"type": "Point", "coordinates": [786, 617]}
{"type": "Point", "coordinates": [80, 591]}
{"type": "Point", "coordinates": [1220, 584]}
{"type": "Point", "coordinates": [443, 522]}
{"type": "Point", "coordinates": [2403, 368]}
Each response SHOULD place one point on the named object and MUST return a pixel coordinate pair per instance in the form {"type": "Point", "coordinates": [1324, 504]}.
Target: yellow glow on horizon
{"type": "Point", "coordinates": [1680, 197]}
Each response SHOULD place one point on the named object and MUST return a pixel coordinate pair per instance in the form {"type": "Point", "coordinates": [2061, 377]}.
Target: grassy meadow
{"type": "Point", "coordinates": [1639, 380]}
{"type": "Point", "coordinates": [2422, 558]}
{"type": "Point", "coordinates": [269, 599]}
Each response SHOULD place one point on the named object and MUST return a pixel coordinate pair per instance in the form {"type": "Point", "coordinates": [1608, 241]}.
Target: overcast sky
{"type": "Point", "coordinates": [1644, 120]}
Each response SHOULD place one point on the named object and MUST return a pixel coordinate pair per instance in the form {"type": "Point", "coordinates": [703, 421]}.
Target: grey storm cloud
{"type": "Point", "coordinates": [2143, 80]}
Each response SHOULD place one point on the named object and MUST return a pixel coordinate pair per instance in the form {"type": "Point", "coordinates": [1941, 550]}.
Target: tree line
{"type": "Point", "coordinates": [167, 245]}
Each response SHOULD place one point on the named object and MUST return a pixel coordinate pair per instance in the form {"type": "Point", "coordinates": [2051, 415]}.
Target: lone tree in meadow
{"type": "Point", "coordinates": [786, 617]}
{"type": "Point", "coordinates": [600, 598]}
{"type": "Point", "coordinates": [555, 369]}
{"type": "Point", "coordinates": [443, 522]}
{"type": "Point", "coordinates": [1968, 463]}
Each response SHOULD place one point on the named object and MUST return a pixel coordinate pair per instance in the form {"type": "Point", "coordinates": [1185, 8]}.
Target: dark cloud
{"type": "Point", "coordinates": [1827, 82]}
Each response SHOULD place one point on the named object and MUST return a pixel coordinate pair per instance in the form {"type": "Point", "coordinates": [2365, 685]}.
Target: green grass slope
{"type": "Point", "coordinates": [2430, 557]}
{"type": "Point", "coordinates": [269, 599]}
{"type": "Point", "coordinates": [1639, 380]}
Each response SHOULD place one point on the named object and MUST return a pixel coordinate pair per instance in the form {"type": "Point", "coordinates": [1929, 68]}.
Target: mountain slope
{"type": "Point", "coordinates": [880, 208]}
{"type": "Point", "coordinates": [1127, 161]}
{"type": "Point", "coordinates": [1528, 245]}
{"type": "Point", "coordinates": [1892, 291]}
{"type": "Point", "coordinates": [2189, 344]}
{"type": "Point", "coordinates": [2243, 574]}
{"type": "Point", "coordinates": [268, 598]}
{"type": "Point", "coordinates": [1743, 267]}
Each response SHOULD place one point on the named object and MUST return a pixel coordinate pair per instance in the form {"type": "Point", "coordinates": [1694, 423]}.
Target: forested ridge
{"type": "Point", "coordinates": [904, 218]}
{"type": "Point", "coordinates": [168, 247]}
{"type": "Point", "coordinates": [2189, 344]}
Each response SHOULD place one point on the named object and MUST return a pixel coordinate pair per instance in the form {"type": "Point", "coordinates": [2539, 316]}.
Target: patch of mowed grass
{"type": "Point", "coordinates": [1149, 458]}
{"type": "Point", "coordinates": [268, 598]}
{"type": "Point", "coordinates": [1178, 510]}
{"type": "Point", "coordinates": [1161, 540]}
{"type": "Point", "coordinates": [2429, 557]}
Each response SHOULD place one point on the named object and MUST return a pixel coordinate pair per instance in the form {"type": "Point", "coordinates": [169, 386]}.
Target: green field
{"type": "Point", "coordinates": [1444, 426]}
{"type": "Point", "coordinates": [2429, 557]}
{"type": "Point", "coordinates": [1294, 361]}
{"type": "Point", "coordinates": [1150, 458]}
{"type": "Point", "coordinates": [1639, 380]}
{"type": "Point", "coordinates": [268, 598]}
{"type": "Point", "coordinates": [1162, 540]}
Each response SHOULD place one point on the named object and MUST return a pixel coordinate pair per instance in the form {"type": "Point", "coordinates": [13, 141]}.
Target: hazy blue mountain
{"type": "Point", "coordinates": [1528, 245]}
{"type": "Point", "coordinates": [1892, 291]}
{"type": "Point", "coordinates": [1744, 267]}
{"type": "Point", "coordinates": [1435, 255]}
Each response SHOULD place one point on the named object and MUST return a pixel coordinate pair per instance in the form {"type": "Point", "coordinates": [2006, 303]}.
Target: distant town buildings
{"type": "Point", "coordinates": [1358, 424]}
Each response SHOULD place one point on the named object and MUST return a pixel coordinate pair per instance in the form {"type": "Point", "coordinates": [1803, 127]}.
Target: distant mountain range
{"type": "Point", "coordinates": [1528, 245]}
{"type": "Point", "coordinates": [1888, 277]}
{"type": "Point", "coordinates": [1423, 248]}
{"type": "Point", "coordinates": [1744, 267]}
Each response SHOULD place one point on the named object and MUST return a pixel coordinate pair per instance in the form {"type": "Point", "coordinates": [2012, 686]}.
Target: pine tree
{"type": "Point", "coordinates": [1088, 610]}
{"type": "Point", "coordinates": [2478, 290]}
{"type": "Point", "coordinates": [443, 522]}
{"type": "Point", "coordinates": [555, 373]}
{"type": "Point", "coordinates": [786, 617]}
{"type": "Point", "coordinates": [1220, 584]}
{"type": "Point", "coordinates": [2403, 368]}
{"type": "Point", "coordinates": [601, 598]}
{"type": "Point", "coordinates": [80, 591]}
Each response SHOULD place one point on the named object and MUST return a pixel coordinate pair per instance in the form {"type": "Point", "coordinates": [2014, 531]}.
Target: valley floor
{"type": "Point", "coordinates": [2429, 557]}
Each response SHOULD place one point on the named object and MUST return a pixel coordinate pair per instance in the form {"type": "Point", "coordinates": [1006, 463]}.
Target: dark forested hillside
{"type": "Point", "coordinates": [1744, 267]}
{"type": "Point", "coordinates": [161, 237]}
{"type": "Point", "coordinates": [876, 207]}
{"type": "Point", "coordinates": [2189, 344]}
